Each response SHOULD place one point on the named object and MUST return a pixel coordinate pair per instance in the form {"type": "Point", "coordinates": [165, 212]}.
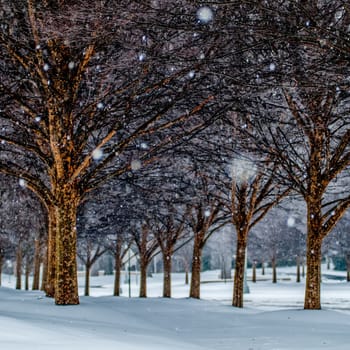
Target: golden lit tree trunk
{"type": "Point", "coordinates": [196, 267]}
{"type": "Point", "coordinates": [238, 288]}
{"type": "Point", "coordinates": [315, 234]}
{"type": "Point", "coordinates": [66, 287]}
{"type": "Point", "coordinates": [50, 273]}
{"type": "Point", "coordinates": [313, 273]}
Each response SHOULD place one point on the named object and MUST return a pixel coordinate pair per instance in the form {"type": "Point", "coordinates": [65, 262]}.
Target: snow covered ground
{"type": "Point", "coordinates": [273, 318]}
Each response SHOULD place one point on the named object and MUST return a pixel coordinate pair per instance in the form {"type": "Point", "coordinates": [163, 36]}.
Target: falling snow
{"type": "Point", "coordinates": [142, 56]}
{"type": "Point", "coordinates": [136, 164]}
{"type": "Point", "coordinates": [205, 14]}
{"type": "Point", "coordinates": [272, 67]}
{"type": "Point", "coordinates": [291, 221]}
{"type": "Point", "coordinates": [97, 154]}
{"type": "Point", "coordinates": [191, 74]}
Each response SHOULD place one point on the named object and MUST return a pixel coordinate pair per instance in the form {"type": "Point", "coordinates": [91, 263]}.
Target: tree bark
{"type": "Point", "coordinates": [66, 287]}
{"type": "Point", "coordinates": [238, 288]}
{"type": "Point", "coordinates": [274, 269]}
{"type": "Point", "coordinates": [313, 273]}
{"type": "Point", "coordinates": [196, 268]}
{"type": "Point", "coordinates": [117, 271]}
{"type": "Point", "coordinates": [19, 267]}
{"type": "Point", "coordinates": [254, 272]}
{"type": "Point", "coordinates": [36, 270]}
{"type": "Point", "coordinates": [50, 272]}
{"type": "Point", "coordinates": [27, 273]}
{"type": "Point", "coordinates": [87, 279]}
{"type": "Point", "coordinates": [167, 262]}
{"type": "Point", "coordinates": [143, 277]}
{"type": "Point", "coordinates": [298, 269]}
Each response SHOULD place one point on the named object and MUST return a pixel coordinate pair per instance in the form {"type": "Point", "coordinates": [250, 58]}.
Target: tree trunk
{"type": "Point", "coordinates": [143, 277]}
{"type": "Point", "coordinates": [66, 287]}
{"type": "Point", "coordinates": [196, 268]}
{"type": "Point", "coordinates": [303, 269]}
{"type": "Point", "coordinates": [44, 274]}
{"type": "Point", "coordinates": [274, 269]}
{"type": "Point", "coordinates": [167, 262]}
{"type": "Point", "coordinates": [87, 279]}
{"type": "Point", "coordinates": [225, 268]}
{"type": "Point", "coordinates": [313, 273]}
{"type": "Point", "coordinates": [347, 258]}
{"type": "Point", "coordinates": [19, 267]}
{"type": "Point", "coordinates": [117, 271]}
{"type": "Point", "coordinates": [27, 273]}
{"type": "Point", "coordinates": [36, 270]}
{"type": "Point", "coordinates": [238, 287]}
{"type": "Point", "coordinates": [50, 272]}
{"type": "Point", "coordinates": [254, 272]}
{"type": "Point", "coordinates": [263, 268]}
{"type": "Point", "coordinates": [186, 277]}
{"type": "Point", "coordinates": [298, 269]}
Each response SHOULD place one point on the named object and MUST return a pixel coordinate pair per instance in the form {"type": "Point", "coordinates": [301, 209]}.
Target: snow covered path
{"type": "Point", "coordinates": [29, 320]}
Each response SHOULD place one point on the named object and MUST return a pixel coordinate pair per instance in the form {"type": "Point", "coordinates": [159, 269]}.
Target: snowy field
{"type": "Point", "coordinates": [272, 319]}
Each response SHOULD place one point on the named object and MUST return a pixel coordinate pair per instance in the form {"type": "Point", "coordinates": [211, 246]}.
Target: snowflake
{"type": "Point", "coordinates": [272, 67]}
{"type": "Point", "coordinates": [136, 164]}
{"type": "Point", "coordinates": [97, 154]}
{"type": "Point", "coordinates": [205, 14]}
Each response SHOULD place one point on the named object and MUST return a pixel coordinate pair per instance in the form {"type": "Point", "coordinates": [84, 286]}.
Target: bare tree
{"type": "Point", "coordinates": [169, 229]}
{"type": "Point", "coordinates": [147, 245]}
{"type": "Point", "coordinates": [80, 84]}
{"type": "Point", "coordinates": [301, 115]}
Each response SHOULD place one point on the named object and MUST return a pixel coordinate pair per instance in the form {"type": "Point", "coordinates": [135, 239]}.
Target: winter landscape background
{"type": "Point", "coordinates": [174, 138]}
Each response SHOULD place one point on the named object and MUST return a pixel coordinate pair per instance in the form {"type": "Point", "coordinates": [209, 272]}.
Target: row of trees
{"type": "Point", "coordinates": [279, 238]}
{"type": "Point", "coordinates": [99, 91]}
